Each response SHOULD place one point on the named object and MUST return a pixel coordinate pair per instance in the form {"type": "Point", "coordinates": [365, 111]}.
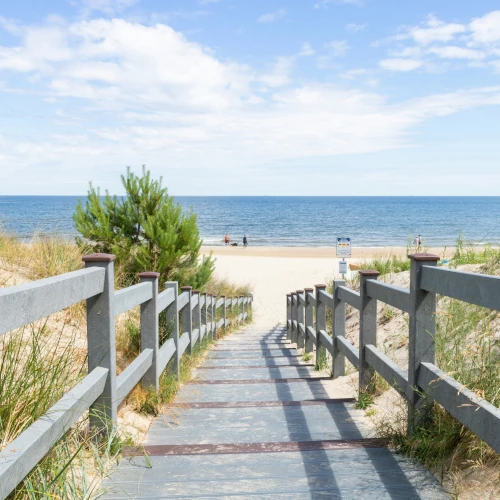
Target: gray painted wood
{"type": "Point", "coordinates": [346, 472]}
{"type": "Point", "coordinates": [349, 296]}
{"type": "Point", "coordinates": [338, 320]}
{"type": "Point", "coordinates": [101, 342]}
{"type": "Point", "coordinates": [421, 346]}
{"type": "Point", "coordinates": [150, 333]}
{"type": "Point", "coordinates": [172, 318]}
{"type": "Point", "coordinates": [133, 374]}
{"type": "Point", "coordinates": [393, 295]}
{"type": "Point", "coordinates": [131, 297]}
{"type": "Point", "coordinates": [478, 289]}
{"type": "Point", "coordinates": [367, 330]}
{"type": "Point", "coordinates": [23, 304]}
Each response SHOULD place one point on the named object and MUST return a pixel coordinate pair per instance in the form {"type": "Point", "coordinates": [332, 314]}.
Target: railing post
{"type": "Point", "coordinates": [338, 359]}
{"type": "Point", "coordinates": [242, 309]}
{"type": "Point", "coordinates": [308, 319]}
{"type": "Point", "coordinates": [422, 332]}
{"type": "Point", "coordinates": [289, 316]}
{"type": "Point", "coordinates": [196, 314]}
{"type": "Point", "coordinates": [223, 297]}
{"type": "Point", "coordinates": [320, 322]}
{"type": "Point", "coordinates": [300, 319]}
{"type": "Point", "coordinates": [173, 315]}
{"type": "Point", "coordinates": [367, 331]}
{"type": "Point", "coordinates": [101, 342]}
{"type": "Point", "coordinates": [294, 317]}
{"type": "Point", "coordinates": [187, 318]}
{"type": "Point", "coordinates": [204, 314]}
{"type": "Point", "coordinates": [150, 336]}
{"type": "Point", "coordinates": [250, 305]}
{"type": "Point", "coordinates": [212, 316]}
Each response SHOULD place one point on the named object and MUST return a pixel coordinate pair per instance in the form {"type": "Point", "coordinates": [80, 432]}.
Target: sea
{"type": "Point", "coordinates": [293, 221]}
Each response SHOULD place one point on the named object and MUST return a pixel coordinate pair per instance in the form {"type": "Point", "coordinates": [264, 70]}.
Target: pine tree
{"type": "Point", "coordinates": [146, 230]}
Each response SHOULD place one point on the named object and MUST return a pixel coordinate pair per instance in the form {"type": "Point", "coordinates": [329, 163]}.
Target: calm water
{"type": "Point", "coordinates": [295, 221]}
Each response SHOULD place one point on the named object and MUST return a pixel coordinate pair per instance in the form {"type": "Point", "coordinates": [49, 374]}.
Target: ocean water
{"type": "Point", "coordinates": [295, 221]}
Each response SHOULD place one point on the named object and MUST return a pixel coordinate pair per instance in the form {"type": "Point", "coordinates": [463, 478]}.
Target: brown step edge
{"type": "Point", "coordinates": [259, 381]}
{"type": "Point", "coordinates": [238, 448]}
{"type": "Point", "coordinates": [252, 366]}
{"type": "Point", "coordinates": [265, 404]}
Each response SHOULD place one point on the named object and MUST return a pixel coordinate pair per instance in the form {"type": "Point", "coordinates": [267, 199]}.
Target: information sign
{"type": "Point", "coordinates": [343, 247]}
{"type": "Point", "coordinates": [342, 267]}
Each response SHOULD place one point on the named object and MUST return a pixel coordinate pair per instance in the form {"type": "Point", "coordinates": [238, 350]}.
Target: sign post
{"type": "Point", "coordinates": [343, 251]}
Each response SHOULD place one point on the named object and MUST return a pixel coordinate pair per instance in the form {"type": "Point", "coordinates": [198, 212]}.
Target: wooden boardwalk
{"type": "Point", "coordinates": [258, 423]}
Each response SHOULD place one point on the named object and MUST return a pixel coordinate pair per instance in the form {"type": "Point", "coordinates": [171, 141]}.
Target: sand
{"type": "Point", "coordinates": [275, 271]}
{"type": "Point", "coordinates": [313, 252]}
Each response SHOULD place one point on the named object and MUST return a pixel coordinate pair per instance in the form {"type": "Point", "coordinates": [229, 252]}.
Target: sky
{"type": "Point", "coordinates": [251, 97]}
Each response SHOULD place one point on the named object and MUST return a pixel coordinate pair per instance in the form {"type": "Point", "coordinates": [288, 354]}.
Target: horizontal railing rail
{"type": "Point", "coordinates": [193, 316]}
{"type": "Point", "coordinates": [423, 382]}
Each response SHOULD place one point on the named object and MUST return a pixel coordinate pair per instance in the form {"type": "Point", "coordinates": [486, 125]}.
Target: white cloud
{"type": "Point", "coordinates": [355, 28]}
{"type": "Point", "coordinates": [486, 29]}
{"type": "Point", "coordinates": [453, 52]}
{"type": "Point", "coordinates": [437, 43]}
{"type": "Point", "coordinates": [398, 64]}
{"type": "Point", "coordinates": [149, 95]}
{"type": "Point", "coordinates": [272, 17]}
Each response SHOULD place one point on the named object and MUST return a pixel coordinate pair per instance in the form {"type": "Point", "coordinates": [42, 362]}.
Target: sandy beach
{"type": "Point", "coordinates": [275, 271]}
{"type": "Point", "coordinates": [311, 252]}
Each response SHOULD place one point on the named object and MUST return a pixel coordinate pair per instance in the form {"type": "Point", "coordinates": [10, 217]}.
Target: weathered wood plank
{"type": "Point", "coordinates": [29, 302]}
{"type": "Point", "coordinates": [131, 297]}
{"type": "Point", "coordinates": [133, 374]}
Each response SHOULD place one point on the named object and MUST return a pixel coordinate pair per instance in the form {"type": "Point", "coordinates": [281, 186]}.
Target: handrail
{"type": "Point", "coordinates": [419, 301]}
{"type": "Point", "coordinates": [101, 389]}
{"type": "Point", "coordinates": [29, 302]}
{"type": "Point", "coordinates": [133, 296]}
{"type": "Point", "coordinates": [352, 298]}
{"type": "Point", "coordinates": [389, 294]}
{"type": "Point", "coordinates": [478, 289]}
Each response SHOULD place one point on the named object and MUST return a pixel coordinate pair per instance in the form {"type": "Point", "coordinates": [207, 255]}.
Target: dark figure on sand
{"type": "Point", "coordinates": [245, 240]}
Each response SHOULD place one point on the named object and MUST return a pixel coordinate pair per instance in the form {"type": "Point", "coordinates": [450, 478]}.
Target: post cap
{"type": "Point", "coordinates": [186, 288]}
{"type": "Point", "coordinates": [196, 291]}
{"type": "Point", "coordinates": [320, 286]}
{"type": "Point", "coordinates": [423, 257]}
{"type": "Point", "coordinates": [149, 274]}
{"type": "Point", "coordinates": [99, 257]}
{"type": "Point", "coordinates": [222, 296]}
{"type": "Point", "coordinates": [367, 273]}
{"type": "Point", "coordinates": [308, 289]}
{"type": "Point", "coordinates": [300, 291]}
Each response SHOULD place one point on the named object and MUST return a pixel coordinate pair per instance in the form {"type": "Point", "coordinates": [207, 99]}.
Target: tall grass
{"type": "Point", "coordinates": [468, 253]}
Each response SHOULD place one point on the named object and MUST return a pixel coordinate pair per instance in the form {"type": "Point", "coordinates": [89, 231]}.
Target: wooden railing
{"type": "Point", "coordinates": [423, 382]}
{"type": "Point", "coordinates": [101, 391]}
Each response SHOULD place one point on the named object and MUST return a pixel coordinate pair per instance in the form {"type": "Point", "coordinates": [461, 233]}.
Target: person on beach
{"type": "Point", "coordinates": [245, 240]}
{"type": "Point", "coordinates": [226, 240]}
{"type": "Point", "coordinates": [418, 242]}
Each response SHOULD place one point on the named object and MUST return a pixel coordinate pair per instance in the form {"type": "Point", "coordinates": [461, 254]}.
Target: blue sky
{"type": "Point", "coordinates": [237, 97]}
